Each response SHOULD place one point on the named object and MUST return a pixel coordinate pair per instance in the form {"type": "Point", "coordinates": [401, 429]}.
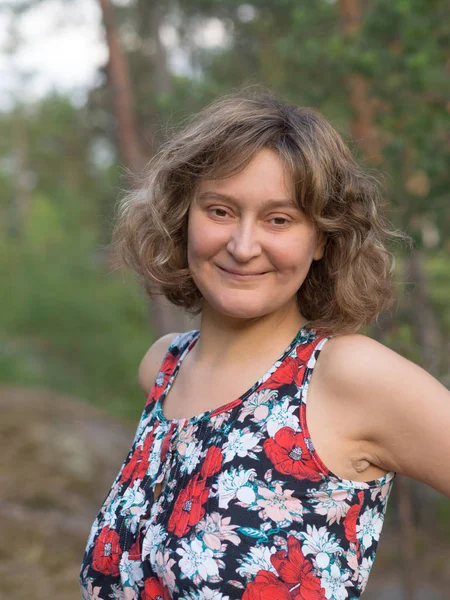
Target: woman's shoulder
{"type": "Point", "coordinates": [356, 360]}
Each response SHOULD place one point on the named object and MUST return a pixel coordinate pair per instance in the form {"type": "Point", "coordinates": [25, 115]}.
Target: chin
{"type": "Point", "coordinates": [240, 310]}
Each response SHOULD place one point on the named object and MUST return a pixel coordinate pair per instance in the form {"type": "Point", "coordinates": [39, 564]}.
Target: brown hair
{"type": "Point", "coordinates": [344, 290]}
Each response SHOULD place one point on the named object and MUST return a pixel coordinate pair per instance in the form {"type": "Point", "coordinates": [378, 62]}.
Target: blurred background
{"type": "Point", "coordinates": [88, 90]}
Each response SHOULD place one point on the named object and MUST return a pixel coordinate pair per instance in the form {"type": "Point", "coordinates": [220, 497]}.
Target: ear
{"type": "Point", "coordinates": [320, 247]}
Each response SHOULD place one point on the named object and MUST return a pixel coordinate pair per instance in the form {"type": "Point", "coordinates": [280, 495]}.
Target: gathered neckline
{"type": "Point", "coordinates": [228, 406]}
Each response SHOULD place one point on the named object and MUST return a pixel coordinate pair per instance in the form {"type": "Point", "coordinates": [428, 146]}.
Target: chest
{"type": "Point", "coordinates": [196, 391]}
{"type": "Point", "coordinates": [332, 431]}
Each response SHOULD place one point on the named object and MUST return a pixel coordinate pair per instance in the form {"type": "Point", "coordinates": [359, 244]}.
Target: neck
{"type": "Point", "coordinates": [229, 340]}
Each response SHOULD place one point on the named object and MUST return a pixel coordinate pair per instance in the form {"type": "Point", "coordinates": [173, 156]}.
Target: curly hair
{"type": "Point", "coordinates": [344, 290]}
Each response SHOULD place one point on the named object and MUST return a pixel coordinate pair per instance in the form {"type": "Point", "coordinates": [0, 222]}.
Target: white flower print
{"type": "Point", "coordinates": [257, 405]}
{"type": "Point", "coordinates": [130, 571]}
{"type": "Point", "coordinates": [257, 559]}
{"type": "Point", "coordinates": [364, 571]}
{"type": "Point", "coordinates": [163, 568]}
{"type": "Point", "coordinates": [95, 528]}
{"type": "Point", "coordinates": [191, 457]}
{"type": "Point", "coordinates": [117, 593]}
{"type": "Point", "coordinates": [369, 527]}
{"type": "Point", "coordinates": [185, 437]}
{"type": "Point", "coordinates": [90, 593]}
{"type": "Point", "coordinates": [239, 442]}
{"type": "Point", "coordinates": [134, 505]}
{"type": "Point", "coordinates": [383, 490]}
{"type": "Point", "coordinates": [113, 493]}
{"type": "Point", "coordinates": [230, 482]}
{"type": "Point", "coordinates": [198, 563]}
{"type": "Point", "coordinates": [335, 583]}
{"type": "Point", "coordinates": [279, 506]}
{"type": "Point", "coordinates": [155, 457]}
{"type": "Point", "coordinates": [352, 559]}
{"type": "Point", "coordinates": [110, 516]}
{"type": "Point", "coordinates": [282, 415]}
{"type": "Point", "coordinates": [153, 538]}
{"type": "Point", "coordinates": [145, 420]}
{"type": "Point", "coordinates": [206, 593]}
{"type": "Point", "coordinates": [318, 542]}
{"type": "Point", "coordinates": [215, 529]}
{"type": "Point", "coordinates": [331, 499]}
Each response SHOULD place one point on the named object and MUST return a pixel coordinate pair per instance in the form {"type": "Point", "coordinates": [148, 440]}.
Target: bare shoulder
{"type": "Point", "coordinates": [358, 360]}
{"type": "Point", "coordinates": [362, 381]}
{"type": "Point", "coordinates": [151, 363]}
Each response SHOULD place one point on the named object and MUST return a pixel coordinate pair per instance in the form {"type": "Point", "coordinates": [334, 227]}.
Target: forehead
{"type": "Point", "coordinates": [266, 176]}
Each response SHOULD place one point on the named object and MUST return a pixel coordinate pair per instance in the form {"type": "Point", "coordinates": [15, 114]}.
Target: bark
{"type": "Point", "coordinates": [119, 81]}
{"type": "Point", "coordinates": [150, 21]}
{"type": "Point", "coordinates": [362, 104]}
{"type": "Point", "coordinates": [164, 317]}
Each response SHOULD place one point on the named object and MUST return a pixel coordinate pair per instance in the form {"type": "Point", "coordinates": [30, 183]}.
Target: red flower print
{"type": "Point", "coordinates": [154, 590]}
{"type": "Point", "coordinates": [136, 467]}
{"type": "Point", "coordinates": [212, 462]}
{"type": "Point", "coordinates": [160, 383]}
{"type": "Point", "coordinates": [287, 372]}
{"type": "Point", "coordinates": [225, 407]}
{"type": "Point", "coordinates": [295, 570]}
{"type": "Point", "coordinates": [188, 508]}
{"type": "Point", "coordinates": [134, 553]}
{"type": "Point", "coordinates": [107, 552]}
{"type": "Point", "coordinates": [129, 468]}
{"type": "Point", "coordinates": [304, 352]}
{"type": "Point", "coordinates": [289, 455]}
{"type": "Point", "coordinates": [351, 518]}
{"type": "Point", "coordinates": [266, 586]}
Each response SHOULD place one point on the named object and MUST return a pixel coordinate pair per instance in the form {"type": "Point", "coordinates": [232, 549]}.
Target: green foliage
{"type": "Point", "coordinates": [67, 321]}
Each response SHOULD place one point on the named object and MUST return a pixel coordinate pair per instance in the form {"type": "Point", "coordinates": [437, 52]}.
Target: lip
{"type": "Point", "coordinates": [241, 276]}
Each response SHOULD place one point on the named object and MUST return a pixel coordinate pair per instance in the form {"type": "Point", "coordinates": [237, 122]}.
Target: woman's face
{"type": "Point", "coordinates": [249, 246]}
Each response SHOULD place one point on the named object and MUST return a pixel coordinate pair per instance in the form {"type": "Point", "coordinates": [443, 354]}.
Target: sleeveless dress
{"type": "Point", "coordinates": [247, 508]}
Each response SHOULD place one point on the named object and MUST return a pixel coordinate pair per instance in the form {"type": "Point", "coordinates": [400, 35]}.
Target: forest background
{"type": "Point", "coordinates": [73, 327]}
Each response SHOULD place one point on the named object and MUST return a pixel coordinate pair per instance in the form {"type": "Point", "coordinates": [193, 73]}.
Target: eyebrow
{"type": "Point", "coordinates": [285, 203]}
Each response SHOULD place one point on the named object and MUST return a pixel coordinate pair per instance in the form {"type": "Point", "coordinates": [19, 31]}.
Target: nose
{"type": "Point", "coordinates": [243, 244]}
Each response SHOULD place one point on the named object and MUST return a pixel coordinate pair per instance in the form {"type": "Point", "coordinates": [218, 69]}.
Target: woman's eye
{"type": "Point", "coordinates": [280, 220]}
{"type": "Point", "coordinates": [218, 212]}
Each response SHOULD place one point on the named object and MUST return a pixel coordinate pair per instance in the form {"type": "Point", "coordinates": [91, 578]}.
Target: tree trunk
{"type": "Point", "coordinates": [150, 20]}
{"type": "Point", "coordinates": [363, 106]}
{"type": "Point", "coordinates": [119, 81]}
{"type": "Point", "coordinates": [164, 316]}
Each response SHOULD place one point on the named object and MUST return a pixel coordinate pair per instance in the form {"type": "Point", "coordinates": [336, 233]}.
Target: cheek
{"type": "Point", "coordinates": [202, 241]}
{"type": "Point", "coordinates": [293, 255]}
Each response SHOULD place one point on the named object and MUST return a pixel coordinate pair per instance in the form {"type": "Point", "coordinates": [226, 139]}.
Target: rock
{"type": "Point", "coordinates": [59, 459]}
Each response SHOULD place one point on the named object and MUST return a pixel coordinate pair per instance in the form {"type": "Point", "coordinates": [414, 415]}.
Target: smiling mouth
{"type": "Point", "coordinates": [241, 275]}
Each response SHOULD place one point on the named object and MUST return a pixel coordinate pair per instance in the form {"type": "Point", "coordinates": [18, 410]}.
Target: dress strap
{"type": "Point", "coordinates": [178, 346]}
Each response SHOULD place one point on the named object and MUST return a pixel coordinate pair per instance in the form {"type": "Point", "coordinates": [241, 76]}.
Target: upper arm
{"type": "Point", "coordinates": [151, 363]}
{"type": "Point", "coordinates": [402, 412]}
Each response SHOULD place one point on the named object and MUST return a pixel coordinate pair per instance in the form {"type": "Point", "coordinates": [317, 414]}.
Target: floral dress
{"type": "Point", "coordinates": [247, 508]}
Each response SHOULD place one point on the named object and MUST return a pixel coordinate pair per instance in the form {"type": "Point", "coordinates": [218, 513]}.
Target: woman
{"type": "Point", "coordinates": [249, 477]}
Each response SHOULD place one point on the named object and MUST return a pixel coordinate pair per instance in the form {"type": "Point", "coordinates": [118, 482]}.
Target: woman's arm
{"type": "Point", "coordinates": [403, 413]}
